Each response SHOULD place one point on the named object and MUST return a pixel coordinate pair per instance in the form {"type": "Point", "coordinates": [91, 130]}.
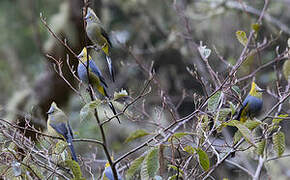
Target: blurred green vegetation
{"type": "Point", "coordinates": [155, 31]}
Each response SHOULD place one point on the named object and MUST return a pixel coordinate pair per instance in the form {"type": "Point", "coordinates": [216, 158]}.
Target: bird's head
{"type": "Point", "coordinates": [256, 91]}
{"type": "Point", "coordinates": [83, 55]}
{"type": "Point", "coordinates": [91, 16]}
{"type": "Point", "coordinates": [107, 164]}
{"type": "Point", "coordinates": [53, 109]}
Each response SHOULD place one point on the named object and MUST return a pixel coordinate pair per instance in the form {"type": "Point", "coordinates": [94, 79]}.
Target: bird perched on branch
{"type": "Point", "coordinates": [108, 173]}
{"type": "Point", "coordinates": [58, 125]}
{"type": "Point", "coordinates": [98, 36]}
{"type": "Point", "coordinates": [95, 76]}
{"type": "Point", "coordinates": [253, 103]}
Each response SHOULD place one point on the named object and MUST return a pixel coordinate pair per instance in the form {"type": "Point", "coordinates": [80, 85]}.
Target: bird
{"type": "Point", "coordinates": [96, 33]}
{"type": "Point", "coordinates": [252, 104]}
{"type": "Point", "coordinates": [58, 125]}
{"type": "Point", "coordinates": [108, 173]}
{"type": "Point", "coordinates": [96, 78]}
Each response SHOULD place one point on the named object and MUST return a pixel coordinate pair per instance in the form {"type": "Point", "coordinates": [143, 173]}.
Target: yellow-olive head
{"type": "Point", "coordinates": [256, 91]}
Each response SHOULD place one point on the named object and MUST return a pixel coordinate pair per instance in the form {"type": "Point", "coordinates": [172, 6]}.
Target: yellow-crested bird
{"type": "Point", "coordinates": [95, 76]}
{"type": "Point", "coordinates": [108, 173]}
{"type": "Point", "coordinates": [58, 125]}
{"type": "Point", "coordinates": [252, 105]}
{"type": "Point", "coordinates": [98, 36]}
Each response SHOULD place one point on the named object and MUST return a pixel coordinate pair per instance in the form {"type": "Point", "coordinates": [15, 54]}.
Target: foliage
{"type": "Point", "coordinates": [177, 99]}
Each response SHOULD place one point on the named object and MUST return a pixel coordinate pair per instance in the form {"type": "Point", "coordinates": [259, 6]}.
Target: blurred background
{"type": "Point", "coordinates": [159, 31]}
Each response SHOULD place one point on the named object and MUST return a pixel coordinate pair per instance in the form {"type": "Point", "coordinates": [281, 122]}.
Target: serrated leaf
{"type": "Point", "coordinates": [233, 108]}
{"type": "Point", "coordinates": [260, 147]}
{"type": "Point", "coordinates": [277, 120]}
{"type": "Point", "coordinates": [87, 112]}
{"type": "Point", "coordinates": [135, 166]}
{"type": "Point", "coordinates": [223, 114]}
{"type": "Point", "coordinates": [137, 134]}
{"type": "Point", "coordinates": [32, 167]}
{"type": "Point", "coordinates": [279, 142]}
{"type": "Point", "coordinates": [231, 123]}
{"type": "Point", "coordinates": [150, 165]}
{"type": "Point", "coordinates": [204, 122]}
{"type": "Point", "coordinates": [189, 149]}
{"type": "Point", "coordinates": [175, 168]}
{"type": "Point", "coordinates": [178, 135]}
{"type": "Point", "coordinates": [203, 159]}
{"type": "Point", "coordinates": [242, 37]}
{"type": "Point", "coordinates": [237, 137]}
{"type": "Point", "coordinates": [252, 124]}
{"type": "Point", "coordinates": [246, 133]}
{"type": "Point", "coordinates": [120, 94]}
{"type": "Point", "coordinates": [213, 101]}
{"type": "Point", "coordinates": [60, 147]}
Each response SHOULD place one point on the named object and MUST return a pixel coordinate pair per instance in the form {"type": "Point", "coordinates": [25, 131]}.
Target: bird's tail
{"type": "Point", "coordinates": [114, 111]}
{"type": "Point", "coordinates": [72, 150]}
{"type": "Point", "coordinates": [110, 66]}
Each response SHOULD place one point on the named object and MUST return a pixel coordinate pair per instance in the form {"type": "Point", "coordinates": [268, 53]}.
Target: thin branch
{"type": "Point", "coordinates": [259, 168]}
{"type": "Point", "coordinates": [240, 167]}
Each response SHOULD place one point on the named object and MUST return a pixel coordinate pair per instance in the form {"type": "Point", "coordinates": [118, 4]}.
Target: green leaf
{"type": "Point", "coordinates": [256, 27]}
{"type": "Point", "coordinates": [242, 37]}
{"type": "Point", "coordinates": [213, 101]}
{"type": "Point", "coordinates": [135, 166]}
{"type": "Point", "coordinates": [252, 124]}
{"type": "Point", "coordinates": [203, 159]}
{"type": "Point", "coordinates": [279, 142]}
{"type": "Point", "coordinates": [32, 168]}
{"type": "Point", "coordinates": [75, 168]}
{"type": "Point", "coordinates": [150, 165]}
{"type": "Point", "coordinates": [233, 108]}
{"type": "Point", "coordinates": [137, 134]}
{"type": "Point", "coordinates": [237, 137]}
{"type": "Point", "coordinates": [87, 112]}
{"type": "Point", "coordinates": [60, 147]}
{"type": "Point", "coordinates": [175, 168]}
{"type": "Point", "coordinates": [178, 135]}
{"type": "Point", "coordinates": [236, 89]}
{"type": "Point", "coordinates": [232, 123]}
{"type": "Point", "coordinates": [223, 113]}
{"type": "Point", "coordinates": [174, 177]}
{"type": "Point", "coordinates": [189, 149]}
{"type": "Point", "coordinates": [277, 121]}
{"type": "Point", "coordinates": [260, 147]}
{"type": "Point", "coordinates": [246, 133]}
